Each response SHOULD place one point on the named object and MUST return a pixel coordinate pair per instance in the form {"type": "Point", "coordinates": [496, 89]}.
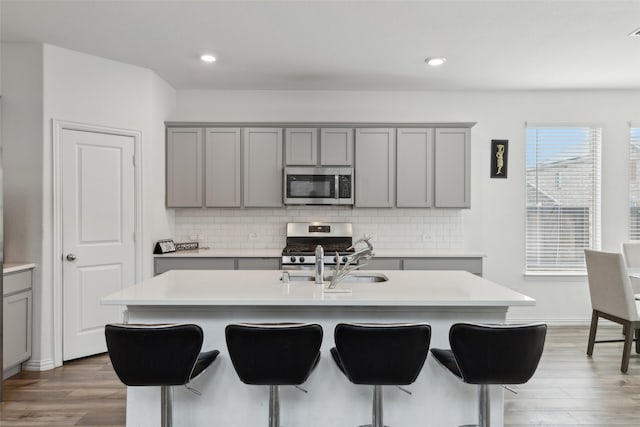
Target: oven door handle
{"type": "Point", "coordinates": [336, 194]}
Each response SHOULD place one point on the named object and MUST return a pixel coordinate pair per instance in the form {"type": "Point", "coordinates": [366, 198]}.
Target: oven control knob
{"type": "Point", "coordinates": [301, 259]}
{"type": "Point", "coordinates": [292, 259]}
{"type": "Point", "coordinates": [345, 259]}
{"type": "Point", "coordinates": [335, 259]}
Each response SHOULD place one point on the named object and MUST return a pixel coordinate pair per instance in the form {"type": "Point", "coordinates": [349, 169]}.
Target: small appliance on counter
{"type": "Point", "coordinates": [167, 245]}
{"type": "Point", "coordinates": [303, 237]}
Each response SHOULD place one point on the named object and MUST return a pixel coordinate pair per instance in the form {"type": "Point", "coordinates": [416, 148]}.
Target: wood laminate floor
{"type": "Point", "coordinates": [569, 389]}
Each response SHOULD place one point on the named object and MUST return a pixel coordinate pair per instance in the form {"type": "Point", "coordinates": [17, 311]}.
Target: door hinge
{"type": "Point", "coordinates": [134, 160]}
{"type": "Point", "coordinates": [134, 236]}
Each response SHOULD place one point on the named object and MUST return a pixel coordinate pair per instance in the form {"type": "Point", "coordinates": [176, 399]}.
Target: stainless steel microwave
{"type": "Point", "coordinates": [312, 185]}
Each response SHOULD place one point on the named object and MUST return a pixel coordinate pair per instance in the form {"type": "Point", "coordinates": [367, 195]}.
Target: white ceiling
{"type": "Point", "coordinates": [349, 45]}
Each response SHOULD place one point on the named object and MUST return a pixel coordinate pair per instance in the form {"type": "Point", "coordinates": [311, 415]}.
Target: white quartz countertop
{"type": "Point", "coordinates": [277, 253]}
{"type": "Point", "coordinates": [264, 288]}
{"type": "Point", "coordinates": [14, 267]}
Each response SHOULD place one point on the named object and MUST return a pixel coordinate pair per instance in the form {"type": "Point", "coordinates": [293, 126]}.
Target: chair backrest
{"type": "Point", "coordinates": [382, 354]}
{"type": "Point", "coordinates": [153, 355]}
{"type": "Point", "coordinates": [609, 284]}
{"type": "Point", "coordinates": [497, 354]}
{"type": "Point", "coordinates": [274, 353]}
{"type": "Point", "coordinates": [631, 253]}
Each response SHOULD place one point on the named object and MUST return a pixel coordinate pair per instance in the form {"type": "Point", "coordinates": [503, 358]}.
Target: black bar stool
{"type": "Point", "coordinates": [158, 355]}
{"type": "Point", "coordinates": [381, 354]}
{"type": "Point", "coordinates": [492, 354]}
{"type": "Point", "coordinates": [274, 354]}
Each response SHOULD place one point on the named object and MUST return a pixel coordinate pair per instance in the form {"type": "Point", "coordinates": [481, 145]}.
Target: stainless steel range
{"type": "Point", "coordinates": [303, 237]}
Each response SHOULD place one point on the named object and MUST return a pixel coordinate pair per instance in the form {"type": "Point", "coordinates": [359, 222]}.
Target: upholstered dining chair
{"type": "Point", "coordinates": [631, 253]}
{"type": "Point", "coordinates": [612, 299]}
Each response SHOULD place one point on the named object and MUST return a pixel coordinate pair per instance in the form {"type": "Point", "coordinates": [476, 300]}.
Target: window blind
{"type": "Point", "coordinates": [634, 184]}
{"type": "Point", "coordinates": [562, 196]}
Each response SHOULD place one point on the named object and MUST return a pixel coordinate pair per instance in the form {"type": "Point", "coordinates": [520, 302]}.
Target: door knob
{"type": "Point", "coordinates": [71, 257]}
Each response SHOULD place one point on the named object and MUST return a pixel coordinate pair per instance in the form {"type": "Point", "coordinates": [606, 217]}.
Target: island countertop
{"type": "Point", "coordinates": [265, 288]}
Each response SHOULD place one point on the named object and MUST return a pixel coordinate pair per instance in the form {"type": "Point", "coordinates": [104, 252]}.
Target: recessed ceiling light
{"type": "Point", "coordinates": [208, 58]}
{"type": "Point", "coordinates": [435, 61]}
{"type": "Point", "coordinates": [635, 33]}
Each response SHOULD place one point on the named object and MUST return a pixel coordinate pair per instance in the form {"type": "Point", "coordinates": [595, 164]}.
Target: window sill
{"type": "Point", "coordinates": [555, 274]}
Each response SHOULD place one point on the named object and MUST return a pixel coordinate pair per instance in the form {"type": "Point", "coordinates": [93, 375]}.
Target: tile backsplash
{"type": "Point", "coordinates": [265, 228]}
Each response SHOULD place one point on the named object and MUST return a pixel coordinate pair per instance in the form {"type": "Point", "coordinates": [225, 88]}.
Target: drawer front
{"type": "Point", "coordinates": [472, 265]}
{"type": "Point", "coordinates": [166, 264]}
{"type": "Point", "coordinates": [16, 329]}
{"type": "Point", "coordinates": [383, 264]}
{"type": "Point", "coordinates": [17, 282]}
{"type": "Point", "coordinates": [258, 263]}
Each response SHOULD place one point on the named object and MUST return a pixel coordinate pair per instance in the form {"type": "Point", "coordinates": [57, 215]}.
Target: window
{"type": "Point", "coordinates": [563, 214]}
{"type": "Point", "coordinates": [634, 184]}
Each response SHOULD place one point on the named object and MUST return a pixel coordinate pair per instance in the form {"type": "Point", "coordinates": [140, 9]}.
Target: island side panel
{"type": "Point", "coordinates": [438, 399]}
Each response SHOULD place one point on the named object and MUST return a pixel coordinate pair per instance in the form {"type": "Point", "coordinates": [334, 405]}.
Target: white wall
{"type": "Point", "coordinates": [495, 224]}
{"type": "Point", "coordinates": [42, 83]}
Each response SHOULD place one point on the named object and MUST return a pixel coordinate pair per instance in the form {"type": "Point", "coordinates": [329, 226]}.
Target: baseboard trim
{"type": "Point", "coordinates": [38, 365]}
{"type": "Point", "coordinates": [553, 322]}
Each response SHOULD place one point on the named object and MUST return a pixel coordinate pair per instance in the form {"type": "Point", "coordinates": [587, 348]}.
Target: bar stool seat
{"type": "Point", "coordinates": [163, 355]}
{"type": "Point", "coordinates": [381, 354]}
{"type": "Point", "coordinates": [274, 354]}
{"type": "Point", "coordinates": [492, 354]}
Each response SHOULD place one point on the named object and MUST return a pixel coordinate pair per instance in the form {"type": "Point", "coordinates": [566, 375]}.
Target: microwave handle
{"type": "Point", "coordinates": [337, 187]}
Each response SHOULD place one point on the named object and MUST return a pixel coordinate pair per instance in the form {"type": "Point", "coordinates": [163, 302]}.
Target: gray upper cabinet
{"type": "Point", "coordinates": [263, 167]}
{"type": "Point", "coordinates": [414, 166]}
{"type": "Point", "coordinates": [375, 167]}
{"type": "Point", "coordinates": [222, 167]}
{"type": "Point", "coordinates": [452, 168]}
{"type": "Point", "coordinates": [301, 146]}
{"type": "Point", "coordinates": [336, 146]}
{"type": "Point", "coordinates": [184, 167]}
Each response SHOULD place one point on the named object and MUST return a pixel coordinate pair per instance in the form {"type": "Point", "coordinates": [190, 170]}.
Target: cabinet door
{"type": "Point", "coordinates": [263, 167]}
{"type": "Point", "coordinates": [184, 167]}
{"type": "Point", "coordinates": [414, 166]}
{"type": "Point", "coordinates": [452, 168]}
{"type": "Point", "coordinates": [383, 264]}
{"type": "Point", "coordinates": [301, 146]}
{"type": "Point", "coordinates": [16, 329]}
{"type": "Point", "coordinates": [336, 147]}
{"type": "Point", "coordinates": [470, 264]}
{"type": "Point", "coordinates": [222, 167]}
{"type": "Point", "coordinates": [193, 263]}
{"type": "Point", "coordinates": [375, 167]}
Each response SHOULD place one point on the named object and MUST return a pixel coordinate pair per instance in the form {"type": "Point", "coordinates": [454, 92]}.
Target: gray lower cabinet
{"type": "Point", "coordinates": [414, 168]}
{"type": "Point", "coordinates": [17, 319]}
{"type": "Point", "coordinates": [263, 167]}
{"type": "Point", "coordinates": [222, 167]}
{"type": "Point", "coordinates": [375, 167]}
{"type": "Point", "coordinates": [472, 264]}
{"type": "Point", "coordinates": [163, 264]}
{"type": "Point", "coordinates": [184, 167]}
{"type": "Point", "coordinates": [452, 168]}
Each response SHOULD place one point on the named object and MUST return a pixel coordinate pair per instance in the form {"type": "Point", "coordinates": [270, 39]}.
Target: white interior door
{"type": "Point", "coordinates": [98, 242]}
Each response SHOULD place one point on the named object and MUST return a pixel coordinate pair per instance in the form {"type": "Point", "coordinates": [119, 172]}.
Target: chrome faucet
{"type": "Point", "coordinates": [353, 261]}
{"type": "Point", "coordinates": [319, 264]}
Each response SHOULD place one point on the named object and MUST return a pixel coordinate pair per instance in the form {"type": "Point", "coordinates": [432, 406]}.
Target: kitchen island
{"type": "Point", "coordinates": [214, 299]}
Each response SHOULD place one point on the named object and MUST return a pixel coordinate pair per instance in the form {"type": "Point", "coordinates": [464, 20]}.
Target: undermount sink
{"type": "Point", "coordinates": [360, 277]}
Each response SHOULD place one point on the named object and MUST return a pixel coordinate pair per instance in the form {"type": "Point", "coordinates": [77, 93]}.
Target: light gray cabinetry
{"type": "Point", "coordinates": [184, 167]}
{"type": "Point", "coordinates": [222, 167]}
{"type": "Point", "coordinates": [452, 168]}
{"type": "Point", "coordinates": [163, 264]}
{"type": "Point", "coordinates": [414, 166]}
{"type": "Point", "coordinates": [193, 263]}
{"type": "Point", "coordinates": [472, 264]}
{"type": "Point", "coordinates": [17, 320]}
{"type": "Point", "coordinates": [301, 146]}
{"type": "Point", "coordinates": [263, 167]}
{"type": "Point", "coordinates": [258, 263]}
{"type": "Point", "coordinates": [375, 167]}
{"type": "Point", "coordinates": [336, 146]}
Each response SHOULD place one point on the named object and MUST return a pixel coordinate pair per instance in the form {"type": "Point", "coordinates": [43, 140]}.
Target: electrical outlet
{"type": "Point", "coordinates": [426, 237]}
{"type": "Point", "coordinates": [254, 236]}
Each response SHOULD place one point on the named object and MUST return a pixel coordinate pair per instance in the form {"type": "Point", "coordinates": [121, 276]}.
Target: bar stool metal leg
{"type": "Point", "coordinates": [166, 403]}
{"type": "Point", "coordinates": [274, 406]}
{"type": "Point", "coordinates": [484, 410]}
{"type": "Point", "coordinates": [377, 407]}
